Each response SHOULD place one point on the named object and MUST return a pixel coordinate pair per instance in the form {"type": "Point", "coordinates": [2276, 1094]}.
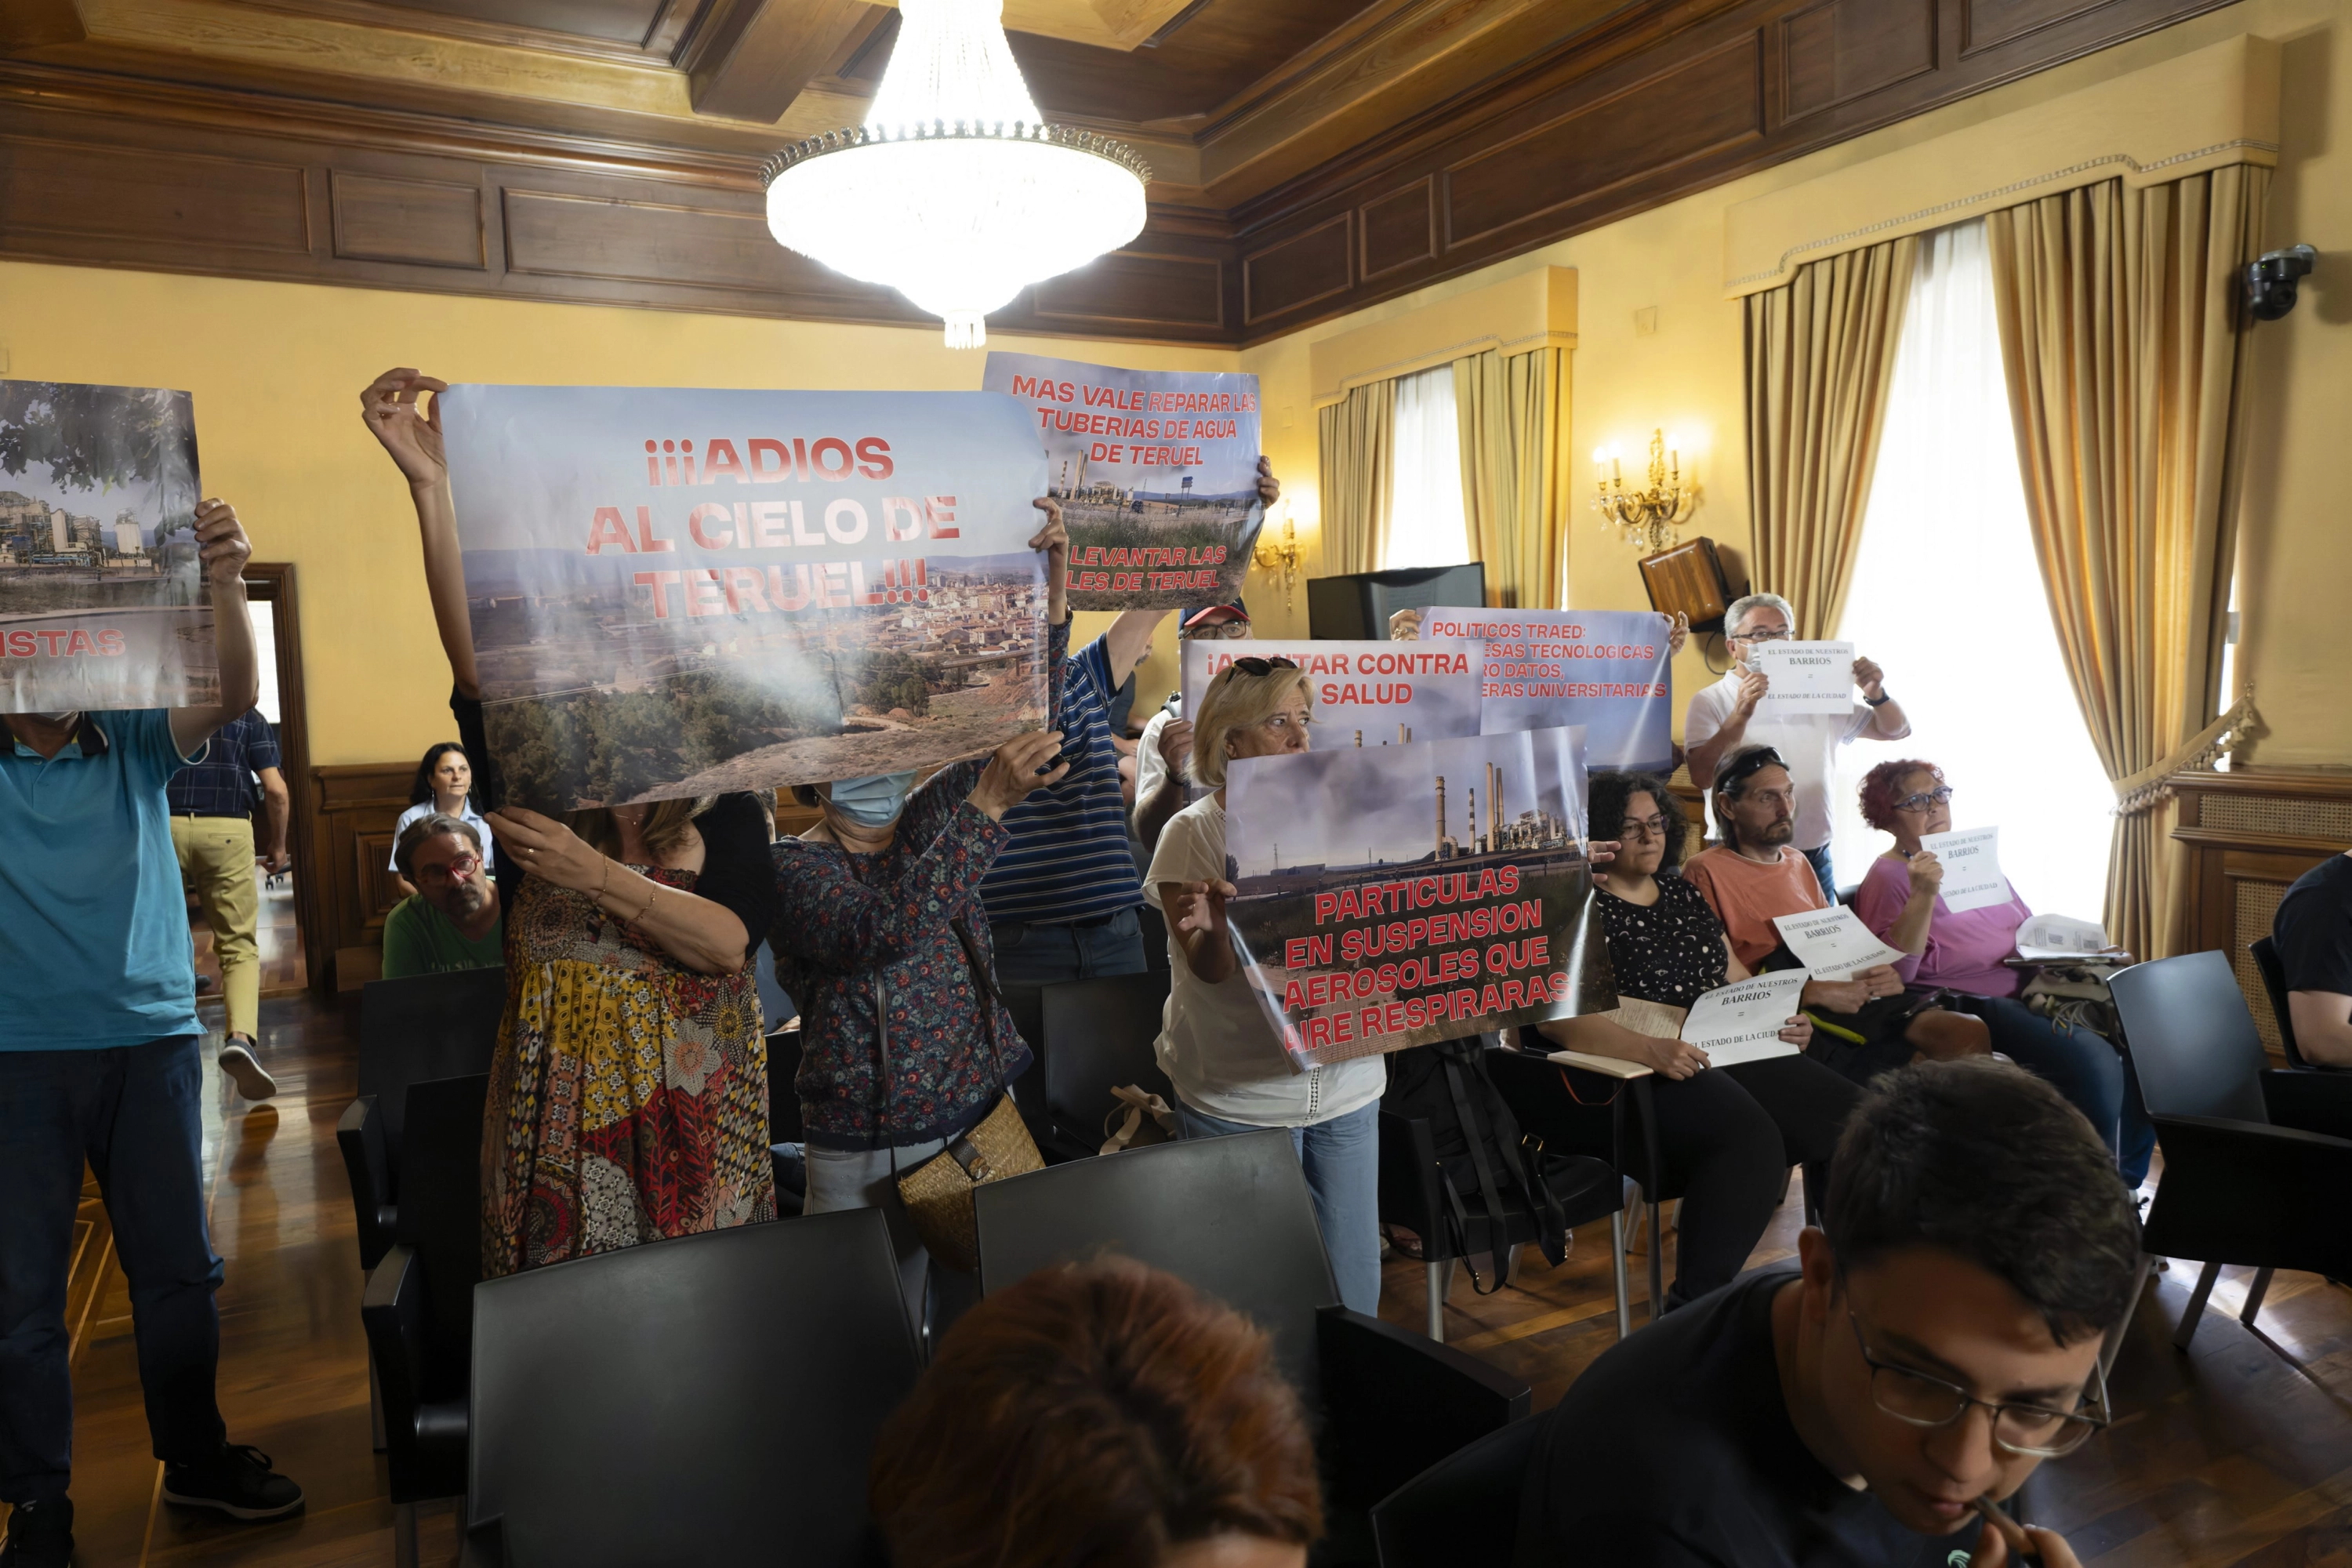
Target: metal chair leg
{"type": "Point", "coordinates": [2261, 1288]}
{"type": "Point", "coordinates": [1510, 1264]}
{"type": "Point", "coordinates": [2180, 1336]}
{"type": "Point", "coordinates": [376, 1406]}
{"type": "Point", "coordinates": [1436, 1301]}
{"type": "Point", "coordinates": [1658, 1265]}
{"type": "Point", "coordinates": [1617, 1270]}
{"type": "Point", "coordinates": [2114, 1342]}
{"type": "Point", "coordinates": [404, 1534]}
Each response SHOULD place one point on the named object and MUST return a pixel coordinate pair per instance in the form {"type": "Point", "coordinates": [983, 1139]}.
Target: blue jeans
{"type": "Point", "coordinates": [2077, 1063]}
{"type": "Point", "coordinates": [132, 1112]}
{"type": "Point", "coordinates": [1823, 873]}
{"type": "Point", "coordinates": [1030, 953]}
{"type": "Point", "coordinates": [1342, 1160]}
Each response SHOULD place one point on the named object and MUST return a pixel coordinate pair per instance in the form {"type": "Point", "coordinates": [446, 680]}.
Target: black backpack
{"type": "Point", "coordinates": [1479, 1148]}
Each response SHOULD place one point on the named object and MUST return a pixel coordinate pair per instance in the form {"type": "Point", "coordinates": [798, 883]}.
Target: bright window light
{"type": "Point", "coordinates": [1426, 523]}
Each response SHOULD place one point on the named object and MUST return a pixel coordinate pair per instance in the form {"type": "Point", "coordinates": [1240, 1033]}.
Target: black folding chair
{"type": "Point", "coordinates": [1098, 1037]}
{"type": "Point", "coordinates": [1233, 1217]}
{"type": "Point", "coordinates": [1464, 1508]}
{"type": "Point", "coordinates": [713, 1398]}
{"type": "Point", "coordinates": [2256, 1160]}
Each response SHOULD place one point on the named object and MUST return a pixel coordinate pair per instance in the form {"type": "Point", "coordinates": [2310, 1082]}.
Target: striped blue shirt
{"type": "Point", "coordinates": [1067, 859]}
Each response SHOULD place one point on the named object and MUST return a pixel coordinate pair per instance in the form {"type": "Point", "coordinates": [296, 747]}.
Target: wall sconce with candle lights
{"type": "Point", "coordinates": [1282, 557]}
{"type": "Point", "coordinates": [1645, 518]}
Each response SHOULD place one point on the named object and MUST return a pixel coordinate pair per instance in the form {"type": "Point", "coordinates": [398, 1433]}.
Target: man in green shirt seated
{"type": "Point", "coordinates": [451, 921]}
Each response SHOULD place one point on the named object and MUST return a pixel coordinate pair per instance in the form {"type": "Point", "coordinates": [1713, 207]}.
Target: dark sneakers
{"type": "Point", "coordinates": [245, 1069]}
{"type": "Point", "coordinates": [239, 1483]}
{"type": "Point", "coordinates": [40, 1535]}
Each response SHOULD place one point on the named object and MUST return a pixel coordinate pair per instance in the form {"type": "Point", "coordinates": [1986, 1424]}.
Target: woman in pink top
{"type": "Point", "coordinates": [1964, 953]}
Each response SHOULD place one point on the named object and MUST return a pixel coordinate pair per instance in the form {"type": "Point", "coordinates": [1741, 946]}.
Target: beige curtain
{"type": "Point", "coordinates": [1821, 362]}
{"type": "Point", "coordinates": [2124, 350]}
{"type": "Point", "coordinates": [1357, 448]}
{"type": "Point", "coordinates": [1510, 411]}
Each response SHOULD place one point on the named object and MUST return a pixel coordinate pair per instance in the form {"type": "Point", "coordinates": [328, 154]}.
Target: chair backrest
{"type": "Point", "coordinates": [783, 1098]}
{"type": "Point", "coordinates": [1098, 1037]}
{"type": "Point", "coordinates": [1464, 1508]}
{"type": "Point", "coordinates": [424, 1027]}
{"type": "Point", "coordinates": [2192, 1041]}
{"type": "Point", "coordinates": [1231, 1216]}
{"type": "Point", "coordinates": [1544, 1106]}
{"type": "Point", "coordinates": [2273, 972]}
{"type": "Point", "coordinates": [441, 1202]}
{"type": "Point", "coordinates": [708, 1399]}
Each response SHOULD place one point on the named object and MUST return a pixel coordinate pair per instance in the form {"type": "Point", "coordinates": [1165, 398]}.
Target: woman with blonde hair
{"type": "Point", "coordinates": [629, 1092]}
{"type": "Point", "coordinates": [1226, 1062]}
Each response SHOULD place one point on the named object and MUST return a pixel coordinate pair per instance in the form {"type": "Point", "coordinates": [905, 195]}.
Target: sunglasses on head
{"type": "Point", "coordinates": [1748, 762]}
{"type": "Point", "coordinates": [1262, 666]}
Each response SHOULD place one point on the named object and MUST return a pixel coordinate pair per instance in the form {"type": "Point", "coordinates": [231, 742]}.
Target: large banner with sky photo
{"type": "Point", "coordinates": [1395, 896]}
{"type": "Point", "coordinates": [1156, 471]}
{"type": "Point", "coordinates": [102, 600]}
{"type": "Point", "coordinates": [1607, 671]}
{"type": "Point", "coordinates": [678, 593]}
{"type": "Point", "coordinates": [1366, 693]}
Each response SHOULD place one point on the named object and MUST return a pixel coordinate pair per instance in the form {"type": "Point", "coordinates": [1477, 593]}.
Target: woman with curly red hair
{"type": "Point", "coordinates": [1964, 952]}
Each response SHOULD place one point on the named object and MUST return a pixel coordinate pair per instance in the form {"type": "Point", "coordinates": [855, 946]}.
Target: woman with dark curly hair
{"type": "Point", "coordinates": [1964, 952]}
{"type": "Point", "coordinates": [1103, 1414]}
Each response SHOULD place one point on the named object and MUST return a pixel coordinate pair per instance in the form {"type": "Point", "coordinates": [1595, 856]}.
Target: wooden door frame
{"type": "Point", "coordinates": [272, 582]}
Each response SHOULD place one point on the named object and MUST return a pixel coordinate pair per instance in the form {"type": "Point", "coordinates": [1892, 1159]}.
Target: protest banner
{"type": "Point", "coordinates": [1805, 677]}
{"type": "Point", "coordinates": [1972, 862]}
{"type": "Point", "coordinates": [1833, 943]}
{"type": "Point", "coordinates": [1741, 1022]}
{"type": "Point", "coordinates": [679, 593]}
{"type": "Point", "coordinates": [1604, 670]}
{"type": "Point", "coordinates": [1156, 471]}
{"type": "Point", "coordinates": [1369, 916]}
{"type": "Point", "coordinates": [102, 598]}
{"type": "Point", "coordinates": [1366, 693]}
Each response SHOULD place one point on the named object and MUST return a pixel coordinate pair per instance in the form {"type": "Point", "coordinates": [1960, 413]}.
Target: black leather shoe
{"type": "Point", "coordinates": [40, 1535]}
{"type": "Point", "coordinates": [239, 1482]}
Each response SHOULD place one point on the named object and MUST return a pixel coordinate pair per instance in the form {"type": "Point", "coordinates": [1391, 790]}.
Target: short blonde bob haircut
{"type": "Point", "coordinates": [1236, 700]}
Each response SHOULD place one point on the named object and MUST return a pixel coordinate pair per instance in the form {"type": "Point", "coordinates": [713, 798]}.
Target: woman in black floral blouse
{"type": "Point", "coordinates": [1726, 1135]}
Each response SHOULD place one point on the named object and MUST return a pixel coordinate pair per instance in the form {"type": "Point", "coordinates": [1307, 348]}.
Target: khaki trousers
{"type": "Point", "coordinates": [216, 859]}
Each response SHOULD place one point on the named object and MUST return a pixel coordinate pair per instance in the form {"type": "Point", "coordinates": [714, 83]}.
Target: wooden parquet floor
{"type": "Point", "coordinates": [2239, 1452]}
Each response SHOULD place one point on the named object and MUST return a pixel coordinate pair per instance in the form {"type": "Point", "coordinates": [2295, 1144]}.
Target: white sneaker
{"type": "Point", "coordinates": [237, 1061]}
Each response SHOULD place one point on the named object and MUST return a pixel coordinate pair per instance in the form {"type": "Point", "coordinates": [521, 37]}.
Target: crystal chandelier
{"type": "Point", "coordinates": [955, 192]}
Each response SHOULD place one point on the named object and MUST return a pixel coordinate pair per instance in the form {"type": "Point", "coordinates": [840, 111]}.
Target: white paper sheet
{"type": "Point", "coordinates": [1972, 875]}
{"type": "Point", "coordinates": [1741, 1022]}
{"type": "Point", "coordinates": [1806, 676]}
{"type": "Point", "coordinates": [1833, 943]}
{"type": "Point", "coordinates": [2059, 937]}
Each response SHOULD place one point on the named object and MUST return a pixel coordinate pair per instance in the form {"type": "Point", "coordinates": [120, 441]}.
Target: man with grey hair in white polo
{"type": "Point", "coordinates": [1722, 718]}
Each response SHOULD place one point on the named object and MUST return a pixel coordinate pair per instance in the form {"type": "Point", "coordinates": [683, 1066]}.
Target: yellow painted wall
{"type": "Point", "coordinates": [1686, 375]}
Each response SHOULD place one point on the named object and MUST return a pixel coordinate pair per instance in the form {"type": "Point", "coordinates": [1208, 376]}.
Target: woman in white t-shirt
{"type": "Point", "coordinates": [444, 780]}
{"type": "Point", "coordinates": [1227, 1064]}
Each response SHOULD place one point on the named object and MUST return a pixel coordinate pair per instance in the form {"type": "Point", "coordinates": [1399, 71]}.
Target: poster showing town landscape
{"type": "Point", "coordinates": [1608, 671]}
{"type": "Point", "coordinates": [102, 601]}
{"type": "Point", "coordinates": [680, 592]}
{"type": "Point", "coordinates": [1157, 474]}
{"type": "Point", "coordinates": [1392, 897]}
{"type": "Point", "coordinates": [1366, 693]}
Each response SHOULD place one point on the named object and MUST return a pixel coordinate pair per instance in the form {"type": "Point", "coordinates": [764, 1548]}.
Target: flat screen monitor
{"type": "Point", "coordinates": [1356, 607]}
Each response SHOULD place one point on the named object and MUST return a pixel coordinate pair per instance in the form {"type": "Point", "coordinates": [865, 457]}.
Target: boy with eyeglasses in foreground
{"type": "Point", "coordinates": [1939, 1339]}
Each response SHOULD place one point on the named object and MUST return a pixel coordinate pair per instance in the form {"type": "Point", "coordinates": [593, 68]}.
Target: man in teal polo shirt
{"type": "Point", "coordinates": [100, 1061]}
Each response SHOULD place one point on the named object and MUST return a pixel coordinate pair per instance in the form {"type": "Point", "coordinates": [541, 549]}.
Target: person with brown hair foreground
{"type": "Point", "coordinates": [1103, 1414]}
{"type": "Point", "coordinates": [1940, 1339]}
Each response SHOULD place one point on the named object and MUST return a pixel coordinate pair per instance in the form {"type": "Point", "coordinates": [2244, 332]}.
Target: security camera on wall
{"type": "Point", "coordinates": [2270, 281]}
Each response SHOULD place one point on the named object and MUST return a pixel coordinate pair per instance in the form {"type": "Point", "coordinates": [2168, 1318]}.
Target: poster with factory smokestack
{"type": "Point", "coordinates": [1157, 474]}
{"type": "Point", "coordinates": [1391, 897]}
{"type": "Point", "coordinates": [102, 599]}
{"type": "Point", "coordinates": [1607, 671]}
{"type": "Point", "coordinates": [1366, 693]}
{"type": "Point", "coordinates": [680, 592]}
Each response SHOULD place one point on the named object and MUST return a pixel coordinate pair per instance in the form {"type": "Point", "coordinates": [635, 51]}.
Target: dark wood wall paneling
{"type": "Point", "coordinates": [354, 808]}
{"type": "Point", "coordinates": [1674, 96]}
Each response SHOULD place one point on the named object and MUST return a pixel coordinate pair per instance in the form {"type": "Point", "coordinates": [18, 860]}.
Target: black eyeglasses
{"type": "Point", "coordinates": [1253, 665]}
{"type": "Point", "coordinates": [1925, 799]}
{"type": "Point", "coordinates": [1918, 1399]}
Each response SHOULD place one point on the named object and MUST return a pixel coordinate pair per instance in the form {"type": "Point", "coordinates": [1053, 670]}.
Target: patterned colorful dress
{"type": "Point", "coordinates": [628, 1099]}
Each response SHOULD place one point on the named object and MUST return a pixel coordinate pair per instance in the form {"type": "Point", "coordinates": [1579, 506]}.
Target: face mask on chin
{"type": "Point", "coordinates": [872, 801]}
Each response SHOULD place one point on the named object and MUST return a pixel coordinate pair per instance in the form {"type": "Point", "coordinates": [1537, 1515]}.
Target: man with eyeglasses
{"type": "Point", "coordinates": [1723, 718]}
{"type": "Point", "coordinates": [1939, 1340]}
{"type": "Point", "coordinates": [1167, 740]}
{"type": "Point", "coordinates": [451, 921]}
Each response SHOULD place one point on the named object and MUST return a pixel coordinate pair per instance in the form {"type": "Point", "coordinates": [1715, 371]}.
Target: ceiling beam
{"type": "Point", "coordinates": [750, 59]}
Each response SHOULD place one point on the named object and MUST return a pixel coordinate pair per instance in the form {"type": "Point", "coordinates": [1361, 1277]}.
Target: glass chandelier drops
{"type": "Point", "coordinates": [954, 192]}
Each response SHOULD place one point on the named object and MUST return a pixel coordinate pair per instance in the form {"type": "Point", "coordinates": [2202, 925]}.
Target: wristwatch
{"type": "Point", "coordinates": [1881, 700]}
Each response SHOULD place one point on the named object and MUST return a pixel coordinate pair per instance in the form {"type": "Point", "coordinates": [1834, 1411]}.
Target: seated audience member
{"type": "Point", "coordinates": [451, 921]}
{"type": "Point", "coordinates": [1899, 899]}
{"type": "Point", "coordinates": [1868, 1024]}
{"type": "Point", "coordinates": [2313, 933]}
{"type": "Point", "coordinates": [1160, 791]}
{"type": "Point", "coordinates": [1727, 1136]}
{"type": "Point", "coordinates": [1939, 1339]}
{"type": "Point", "coordinates": [1229, 1068]}
{"type": "Point", "coordinates": [1723, 719]}
{"type": "Point", "coordinates": [1102, 1414]}
{"type": "Point", "coordinates": [444, 784]}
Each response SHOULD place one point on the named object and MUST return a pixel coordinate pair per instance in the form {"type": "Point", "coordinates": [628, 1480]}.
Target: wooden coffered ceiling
{"type": "Point", "coordinates": [1309, 156]}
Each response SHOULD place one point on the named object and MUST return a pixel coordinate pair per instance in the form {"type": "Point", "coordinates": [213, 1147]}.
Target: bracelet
{"type": "Point", "coordinates": [605, 880]}
{"type": "Point", "coordinates": [653, 891]}
{"type": "Point", "coordinates": [1881, 700]}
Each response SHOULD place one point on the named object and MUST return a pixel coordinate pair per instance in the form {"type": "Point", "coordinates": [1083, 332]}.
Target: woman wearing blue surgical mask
{"type": "Point", "coordinates": [880, 942]}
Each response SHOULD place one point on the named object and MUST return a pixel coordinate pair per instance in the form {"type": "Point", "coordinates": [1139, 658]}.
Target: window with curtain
{"type": "Point", "coordinates": [1948, 597]}
{"type": "Point", "coordinates": [1426, 521]}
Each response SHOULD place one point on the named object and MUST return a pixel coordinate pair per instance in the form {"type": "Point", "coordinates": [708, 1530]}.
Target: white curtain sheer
{"type": "Point", "coordinates": [1426, 520]}
{"type": "Point", "coordinates": [1948, 596]}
